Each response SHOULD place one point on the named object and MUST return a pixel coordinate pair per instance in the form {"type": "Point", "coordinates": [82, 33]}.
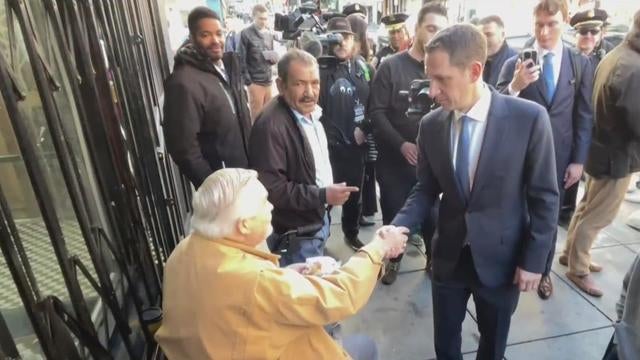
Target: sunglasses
{"type": "Point", "coordinates": [593, 32]}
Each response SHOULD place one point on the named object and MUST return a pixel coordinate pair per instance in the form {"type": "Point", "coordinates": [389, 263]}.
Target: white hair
{"type": "Point", "coordinates": [215, 203]}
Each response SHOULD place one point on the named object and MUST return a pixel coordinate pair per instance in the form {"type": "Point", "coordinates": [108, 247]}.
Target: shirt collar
{"type": "Point", "coordinates": [480, 110]}
{"type": "Point", "coordinates": [557, 50]}
{"type": "Point", "coordinates": [314, 115]}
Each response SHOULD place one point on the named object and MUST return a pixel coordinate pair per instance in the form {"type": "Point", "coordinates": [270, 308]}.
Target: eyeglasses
{"type": "Point", "coordinates": [593, 32]}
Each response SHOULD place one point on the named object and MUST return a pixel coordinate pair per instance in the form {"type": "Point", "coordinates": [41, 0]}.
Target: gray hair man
{"type": "Point", "coordinates": [271, 313]}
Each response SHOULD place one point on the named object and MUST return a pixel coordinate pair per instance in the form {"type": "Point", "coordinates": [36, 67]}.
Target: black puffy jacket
{"type": "Point", "coordinates": [206, 118]}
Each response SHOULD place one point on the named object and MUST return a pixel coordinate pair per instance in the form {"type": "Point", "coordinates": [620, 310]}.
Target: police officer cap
{"type": "Point", "coordinates": [394, 21]}
{"type": "Point", "coordinates": [354, 8]}
{"type": "Point", "coordinates": [589, 18]}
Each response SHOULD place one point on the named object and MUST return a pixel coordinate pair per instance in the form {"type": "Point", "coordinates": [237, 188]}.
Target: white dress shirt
{"type": "Point", "coordinates": [478, 124]}
{"type": "Point", "coordinates": [317, 138]}
{"type": "Point", "coordinates": [558, 52]}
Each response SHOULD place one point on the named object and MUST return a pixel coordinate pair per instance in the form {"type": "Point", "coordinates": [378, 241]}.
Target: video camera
{"type": "Point", "coordinates": [418, 96]}
{"type": "Point", "coordinates": [302, 19]}
{"type": "Point", "coordinates": [305, 28]}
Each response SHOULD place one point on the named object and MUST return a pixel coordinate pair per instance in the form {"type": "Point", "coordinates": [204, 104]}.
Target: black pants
{"type": "Point", "coordinates": [369, 198]}
{"type": "Point", "coordinates": [347, 164]}
{"type": "Point", "coordinates": [494, 308]}
{"type": "Point", "coordinates": [397, 178]}
{"type": "Point", "coordinates": [568, 206]}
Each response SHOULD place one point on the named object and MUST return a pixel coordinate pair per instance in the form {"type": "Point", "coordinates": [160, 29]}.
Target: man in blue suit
{"type": "Point", "coordinates": [490, 157]}
{"type": "Point", "coordinates": [563, 85]}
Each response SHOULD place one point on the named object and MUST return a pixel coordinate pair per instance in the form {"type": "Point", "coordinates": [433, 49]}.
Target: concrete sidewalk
{"type": "Point", "coordinates": [570, 325]}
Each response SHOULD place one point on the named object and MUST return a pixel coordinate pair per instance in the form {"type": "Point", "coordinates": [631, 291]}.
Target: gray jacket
{"type": "Point", "coordinates": [256, 69]}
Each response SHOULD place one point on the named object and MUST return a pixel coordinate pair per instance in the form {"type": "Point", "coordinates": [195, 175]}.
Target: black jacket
{"type": "Point", "coordinates": [255, 68]}
{"type": "Point", "coordinates": [282, 156]}
{"type": "Point", "coordinates": [615, 145]}
{"type": "Point", "coordinates": [206, 118]}
{"type": "Point", "coordinates": [341, 85]}
{"type": "Point", "coordinates": [494, 64]}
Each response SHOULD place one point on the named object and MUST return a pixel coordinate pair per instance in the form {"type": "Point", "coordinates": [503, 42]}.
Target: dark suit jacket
{"type": "Point", "coordinates": [570, 109]}
{"type": "Point", "coordinates": [510, 219]}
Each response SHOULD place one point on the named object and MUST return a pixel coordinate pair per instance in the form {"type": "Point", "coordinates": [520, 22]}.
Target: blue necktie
{"type": "Point", "coordinates": [547, 74]}
{"type": "Point", "coordinates": [462, 156]}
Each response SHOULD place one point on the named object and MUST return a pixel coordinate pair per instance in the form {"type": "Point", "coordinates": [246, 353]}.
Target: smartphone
{"type": "Point", "coordinates": [530, 54]}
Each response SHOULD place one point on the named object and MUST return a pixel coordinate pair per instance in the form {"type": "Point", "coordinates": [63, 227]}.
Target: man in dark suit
{"type": "Point", "coordinates": [562, 84]}
{"type": "Point", "coordinates": [491, 159]}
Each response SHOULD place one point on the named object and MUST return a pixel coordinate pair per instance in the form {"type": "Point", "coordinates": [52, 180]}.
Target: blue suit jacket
{"type": "Point", "coordinates": [510, 218]}
{"type": "Point", "coordinates": [570, 109]}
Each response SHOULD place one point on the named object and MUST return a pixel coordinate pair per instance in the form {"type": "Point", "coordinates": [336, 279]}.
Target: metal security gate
{"type": "Point", "coordinates": [90, 205]}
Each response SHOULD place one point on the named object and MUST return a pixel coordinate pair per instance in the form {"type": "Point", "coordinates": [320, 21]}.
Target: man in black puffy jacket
{"type": "Point", "coordinates": [206, 118]}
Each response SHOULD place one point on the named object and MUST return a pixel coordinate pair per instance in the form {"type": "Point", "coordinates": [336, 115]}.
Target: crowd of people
{"type": "Point", "coordinates": [483, 179]}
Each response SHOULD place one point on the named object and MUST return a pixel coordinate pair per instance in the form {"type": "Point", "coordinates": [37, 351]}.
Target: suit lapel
{"type": "Point", "coordinates": [566, 74]}
{"type": "Point", "coordinates": [542, 89]}
{"type": "Point", "coordinates": [492, 138]}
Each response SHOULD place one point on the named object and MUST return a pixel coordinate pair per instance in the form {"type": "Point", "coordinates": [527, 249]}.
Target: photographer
{"type": "Point", "coordinates": [344, 91]}
{"type": "Point", "coordinates": [395, 132]}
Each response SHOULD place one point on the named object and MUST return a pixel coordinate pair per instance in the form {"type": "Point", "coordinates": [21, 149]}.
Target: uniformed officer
{"type": "Point", "coordinates": [399, 39]}
{"type": "Point", "coordinates": [355, 8]}
{"type": "Point", "coordinates": [590, 27]}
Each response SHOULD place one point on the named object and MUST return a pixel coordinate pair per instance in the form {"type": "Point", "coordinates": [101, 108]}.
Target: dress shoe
{"type": "Point", "coordinates": [353, 242]}
{"type": "Point", "coordinates": [586, 284]}
{"type": "Point", "coordinates": [564, 260]}
{"type": "Point", "coordinates": [366, 222]}
{"type": "Point", "coordinates": [391, 274]}
{"type": "Point", "coordinates": [545, 287]}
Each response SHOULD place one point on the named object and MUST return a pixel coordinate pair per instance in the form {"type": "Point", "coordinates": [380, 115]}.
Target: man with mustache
{"type": "Point", "coordinates": [288, 148]}
{"type": "Point", "coordinates": [206, 117]}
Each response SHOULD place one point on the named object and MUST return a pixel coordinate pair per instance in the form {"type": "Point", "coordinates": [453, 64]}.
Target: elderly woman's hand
{"type": "Point", "coordinates": [394, 240]}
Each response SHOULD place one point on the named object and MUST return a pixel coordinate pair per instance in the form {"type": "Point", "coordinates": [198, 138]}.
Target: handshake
{"type": "Point", "coordinates": [391, 239]}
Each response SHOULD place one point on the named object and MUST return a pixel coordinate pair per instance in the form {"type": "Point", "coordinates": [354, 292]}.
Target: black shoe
{"type": "Point", "coordinates": [353, 242]}
{"type": "Point", "coordinates": [565, 218]}
{"type": "Point", "coordinates": [391, 274]}
{"type": "Point", "coordinates": [365, 223]}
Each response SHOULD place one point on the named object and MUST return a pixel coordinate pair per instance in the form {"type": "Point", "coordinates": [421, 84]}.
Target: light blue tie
{"type": "Point", "coordinates": [462, 156]}
{"type": "Point", "coordinates": [548, 75]}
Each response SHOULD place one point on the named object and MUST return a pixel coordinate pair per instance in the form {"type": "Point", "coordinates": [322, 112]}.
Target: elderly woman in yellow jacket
{"type": "Point", "coordinates": [226, 298]}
